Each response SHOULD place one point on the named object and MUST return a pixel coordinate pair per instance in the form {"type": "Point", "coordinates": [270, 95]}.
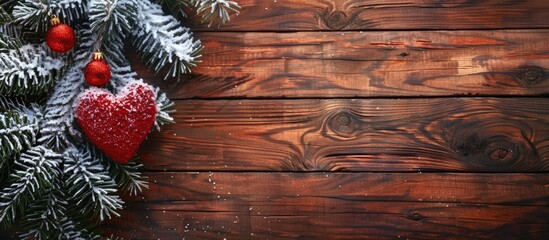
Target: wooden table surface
{"type": "Point", "coordinates": [351, 119]}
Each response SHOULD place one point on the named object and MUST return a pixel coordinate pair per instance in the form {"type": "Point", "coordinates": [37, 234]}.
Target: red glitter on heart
{"type": "Point", "coordinates": [117, 124]}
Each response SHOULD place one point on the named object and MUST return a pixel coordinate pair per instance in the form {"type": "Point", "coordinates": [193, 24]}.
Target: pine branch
{"type": "Point", "coordinates": [90, 185]}
{"type": "Point", "coordinates": [7, 5]}
{"type": "Point", "coordinates": [175, 7]}
{"type": "Point", "coordinates": [216, 10]}
{"type": "Point", "coordinates": [127, 176]}
{"type": "Point", "coordinates": [165, 107]}
{"type": "Point", "coordinates": [12, 31]}
{"type": "Point", "coordinates": [79, 224]}
{"type": "Point", "coordinates": [43, 215]}
{"type": "Point", "coordinates": [32, 14]}
{"type": "Point", "coordinates": [163, 43]}
{"type": "Point", "coordinates": [14, 103]}
{"type": "Point", "coordinates": [17, 132]}
{"type": "Point", "coordinates": [212, 11]}
{"type": "Point", "coordinates": [29, 70]}
{"type": "Point", "coordinates": [68, 229]}
{"type": "Point", "coordinates": [5, 17]}
{"type": "Point", "coordinates": [35, 14]}
{"type": "Point", "coordinates": [48, 218]}
{"type": "Point", "coordinates": [6, 166]}
{"type": "Point", "coordinates": [112, 18]}
{"type": "Point", "coordinates": [10, 39]}
{"type": "Point", "coordinates": [113, 47]}
{"type": "Point", "coordinates": [70, 11]}
{"type": "Point", "coordinates": [36, 170]}
{"type": "Point", "coordinates": [122, 75]}
{"type": "Point", "coordinates": [59, 115]}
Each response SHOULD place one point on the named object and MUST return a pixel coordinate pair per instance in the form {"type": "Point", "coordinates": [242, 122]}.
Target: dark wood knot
{"type": "Point", "coordinates": [499, 154]}
{"type": "Point", "coordinates": [413, 215]}
{"type": "Point", "coordinates": [343, 120]}
{"type": "Point", "coordinates": [490, 145]}
{"type": "Point", "coordinates": [495, 151]}
{"type": "Point", "coordinates": [531, 74]}
{"type": "Point", "coordinates": [337, 20]}
{"type": "Point", "coordinates": [342, 125]}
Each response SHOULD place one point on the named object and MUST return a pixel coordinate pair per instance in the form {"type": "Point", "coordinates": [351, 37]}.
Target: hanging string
{"type": "Point", "coordinates": [99, 41]}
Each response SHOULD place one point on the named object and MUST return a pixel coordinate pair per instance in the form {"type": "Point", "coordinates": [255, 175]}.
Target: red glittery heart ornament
{"type": "Point", "coordinates": [117, 124]}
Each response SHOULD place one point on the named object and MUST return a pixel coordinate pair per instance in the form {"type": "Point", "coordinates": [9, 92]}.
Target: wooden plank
{"type": "Point", "coordinates": [307, 15]}
{"type": "Point", "coordinates": [368, 64]}
{"type": "Point", "coordinates": [338, 206]}
{"type": "Point", "coordinates": [439, 134]}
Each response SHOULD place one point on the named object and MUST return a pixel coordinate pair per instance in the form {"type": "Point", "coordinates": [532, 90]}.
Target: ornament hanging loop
{"type": "Point", "coordinates": [54, 20]}
{"type": "Point", "coordinates": [97, 55]}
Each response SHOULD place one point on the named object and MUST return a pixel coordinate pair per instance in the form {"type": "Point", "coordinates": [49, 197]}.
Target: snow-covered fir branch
{"type": "Point", "coordinates": [5, 17]}
{"type": "Point", "coordinates": [35, 13]}
{"type": "Point", "coordinates": [212, 11]}
{"type": "Point", "coordinates": [69, 11]}
{"type": "Point", "coordinates": [90, 184]}
{"type": "Point", "coordinates": [165, 108]}
{"type": "Point", "coordinates": [35, 172]}
{"type": "Point", "coordinates": [32, 14]}
{"type": "Point", "coordinates": [28, 70]}
{"type": "Point", "coordinates": [175, 7]}
{"type": "Point", "coordinates": [216, 10]}
{"type": "Point", "coordinates": [112, 20]}
{"type": "Point", "coordinates": [127, 176]}
{"type": "Point", "coordinates": [17, 132]}
{"type": "Point", "coordinates": [9, 40]}
{"type": "Point", "coordinates": [12, 33]}
{"type": "Point", "coordinates": [12, 103]}
{"type": "Point", "coordinates": [45, 215]}
{"type": "Point", "coordinates": [163, 42]}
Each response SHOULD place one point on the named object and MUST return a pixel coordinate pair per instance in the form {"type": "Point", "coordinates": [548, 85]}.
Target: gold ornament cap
{"type": "Point", "coordinates": [97, 55]}
{"type": "Point", "coordinates": [54, 20]}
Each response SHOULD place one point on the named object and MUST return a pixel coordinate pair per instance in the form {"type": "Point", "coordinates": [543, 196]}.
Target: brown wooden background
{"type": "Point", "coordinates": [350, 119]}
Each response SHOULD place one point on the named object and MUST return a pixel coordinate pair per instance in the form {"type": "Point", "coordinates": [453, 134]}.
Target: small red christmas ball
{"type": "Point", "coordinates": [97, 72]}
{"type": "Point", "coordinates": [60, 37]}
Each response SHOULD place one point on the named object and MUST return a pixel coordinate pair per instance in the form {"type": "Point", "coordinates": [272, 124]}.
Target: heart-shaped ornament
{"type": "Point", "coordinates": [117, 124]}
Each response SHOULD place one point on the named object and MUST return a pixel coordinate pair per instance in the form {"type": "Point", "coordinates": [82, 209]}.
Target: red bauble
{"type": "Point", "coordinates": [60, 38]}
{"type": "Point", "coordinates": [97, 72]}
{"type": "Point", "coordinates": [117, 124]}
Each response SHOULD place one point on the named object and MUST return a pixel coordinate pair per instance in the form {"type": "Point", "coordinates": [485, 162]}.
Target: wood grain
{"type": "Point", "coordinates": [439, 134]}
{"type": "Point", "coordinates": [246, 148]}
{"type": "Point", "coordinates": [368, 64]}
{"type": "Point", "coordinates": [307, 15]}
{"type": "Point", "coordinates": [338, 206]}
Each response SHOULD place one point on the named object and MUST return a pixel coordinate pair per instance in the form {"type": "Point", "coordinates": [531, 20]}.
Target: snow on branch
{"type": "Point", "coordinates": [112, 18]}
{"type": "Point", "coordinates": [163, 42]}
{"type": "Point", "coordinates": [127, 176]}
{"type": "Point", "coordinates": [35, 172]}
{"type": "Point", "coordinates": [90, 184]}
{"type": "Point", "coordinates": [17, 132]}
{"type": "Point", "coordinates": [216, 10]}
{"type": "Point", "coordinates": [68, 10]}
{"type": "Point", "coordinates": [35, 13]}
{"type": "Point", "coordinates": [28, 71]}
